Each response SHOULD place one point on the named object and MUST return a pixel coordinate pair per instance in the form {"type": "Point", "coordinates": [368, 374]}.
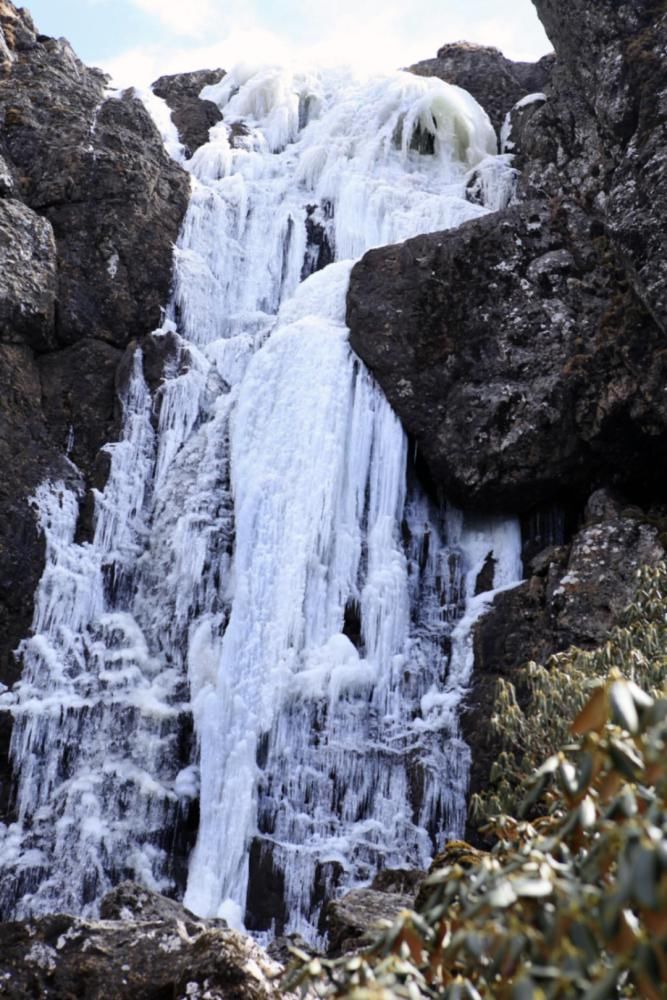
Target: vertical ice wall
{"type": "Point", "coordinates": [258, 559]}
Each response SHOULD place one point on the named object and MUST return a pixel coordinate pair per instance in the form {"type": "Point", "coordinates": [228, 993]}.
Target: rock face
{"type": "Point", "coordinates": [145, 946]}
{"type": "Point", "coordinates": [574, 595]}
{"type": "Point", "coordinates": [192, 116]}
{"type": "Point", "coordinates": [492, 79]}
{"type": "Point", "coordinates": [477, 337]}
{"type": "Point", "coordinates": [90, 205]}
{"type": "Point", "coordinates": [526, 352]}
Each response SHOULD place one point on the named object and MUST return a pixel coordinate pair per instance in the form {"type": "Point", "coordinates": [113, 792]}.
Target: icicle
{"type": "Point", "coordinates": [258, 559]}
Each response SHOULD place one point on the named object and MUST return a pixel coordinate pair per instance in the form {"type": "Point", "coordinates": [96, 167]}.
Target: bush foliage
{"type": "Point", "coordinates": [551, 695]}
{"type": "Point", "coordinates": [571, 904]}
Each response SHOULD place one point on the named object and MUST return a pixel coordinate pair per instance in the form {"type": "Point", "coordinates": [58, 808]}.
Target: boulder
{"type": "Point", "coordinates": [353, 920]}
{"type": "Point", "coordinates": [147, 946]}
{"type": "Point", "coordinates": [495, 345]}
{"type": "Point", "coordinates": [401, 881]}
{"type": "Point", "coordinates": [192, 115]}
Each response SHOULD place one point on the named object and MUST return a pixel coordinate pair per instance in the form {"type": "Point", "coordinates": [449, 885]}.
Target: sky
{"type": "Point", "coordinates": [138, 40]}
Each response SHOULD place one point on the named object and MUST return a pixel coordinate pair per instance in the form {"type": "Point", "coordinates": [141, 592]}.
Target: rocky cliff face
{"type": "Point", "coordinates": [525, 352]}
{"type": "Point", "coordinates": [90, 206]}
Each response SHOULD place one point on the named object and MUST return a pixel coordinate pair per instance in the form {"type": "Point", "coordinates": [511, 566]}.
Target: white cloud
{"type": "Point", "coordinates": [367, 34]}
{"type": "Point", "coordinates": [186, 19]}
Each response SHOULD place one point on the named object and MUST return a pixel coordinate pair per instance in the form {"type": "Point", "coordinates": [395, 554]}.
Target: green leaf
{"type": "Point", "coordinates": [586, 764]}
{"type": "Point", "coordinates": [647, 962]}
{"type": "Point", "coordinates": [625, 758]}
{"type": "Point", "coordinates": [587, 813]}
{"type": "Point", "coordinates": [582, 936]}
{"type": "Point", "coordinates": [646, 873]}
{"type": "Point", "coordinates": [640, 698]}
{"type": "Point", "coordinates": [525, 989]}
{"type": "Point", "coordinates": [623, 706]}
{"type": "Point", "coordinates": [604, 988]}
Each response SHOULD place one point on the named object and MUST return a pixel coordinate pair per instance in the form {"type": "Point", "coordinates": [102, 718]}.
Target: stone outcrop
{"type": "Point", "coordinates": [495, 81]}
{"type": "Point", "coordinates": [90, 206]}
{"type": "Point", "coordinates": [192, 116]}
{"type": "Point", "coordinates": [526, 352]}
{"type": "Point", "coordinates": [477, 337]}
{"type": "Point", "coordinates": [144, 946]}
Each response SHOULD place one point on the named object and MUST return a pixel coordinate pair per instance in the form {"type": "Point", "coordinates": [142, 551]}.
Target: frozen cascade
{"type": "Point", "coordinates": [263, 561]}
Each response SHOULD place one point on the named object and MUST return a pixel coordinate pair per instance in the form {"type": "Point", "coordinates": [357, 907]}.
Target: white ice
{"type": "Point", "coordinates": [259, 558]}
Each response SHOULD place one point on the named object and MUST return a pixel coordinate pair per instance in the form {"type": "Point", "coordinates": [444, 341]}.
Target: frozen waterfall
{"type": "Point", "coordinates": [271, 622]}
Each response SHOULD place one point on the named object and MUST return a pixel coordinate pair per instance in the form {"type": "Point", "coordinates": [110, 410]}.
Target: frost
{"type": "Point", "coordinates": [42, 956]}
{"type": "Point", "coordinates": [530, 99]}
{"type": "Point", "coordinates": [160, 112]}
{"type": "Point", "coordinates": [112, 265]}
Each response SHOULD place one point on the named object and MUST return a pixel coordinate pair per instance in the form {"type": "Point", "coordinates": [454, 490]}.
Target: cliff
{"type": "Point", "coordinates": [524, 352]}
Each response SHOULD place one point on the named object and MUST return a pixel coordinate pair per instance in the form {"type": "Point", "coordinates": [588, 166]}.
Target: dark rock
{"type": "Point", "coordinates": [565, 291]}
{"type": "Point", "coordinates": [8, 183]}
{"type": "Point", "coordinates": [512, 132]}
{"type": "Point", "coordinates": [27, 277]}
{"type": "Point", "coordinates": [18, 30]}
{"type": "Point", "coordinates": [496, 82]}
{"type": "Point", "coordinates": [116, 264]}
{"type": "Point", "coordinates": [150, 949]}
{"type": "Point", "coordinates": [493, 344]}
{"type": "Point", "coordinates": [576, 594]}
{"type": "Point", "coordinates": [78, 398]}
{"type": "Point", "coordinates": [90, 206]}
{"type": "Point", "coordinates": [401, 881]}
{"type": "Point", "coordinates": [265, 905]}
{"type": "Point", "coordinates": [27, 457]}
{"type": "Point", "coordinates": [192, 115]}
{"type": "Point", "coordinates": [319, 250]}
{"type": "Point", "coordinates": [544, 560]}
{"type": "Point", "coordinates": [486, 575]}
{"type": "Point", "coordinates": [548, 526]}
{"type": "Point", "coordinates": [280, 948]}
{"type": "Point", "coordinates": [131, 902]}
{"type": "Point", "coordinates": [96, 168]}
{"type": "Point", "coordinates": [607, 127]}
{"type": "Point", "coordinates": [353, 920]}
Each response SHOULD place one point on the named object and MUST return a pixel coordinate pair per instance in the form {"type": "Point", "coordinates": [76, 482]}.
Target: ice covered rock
{"type": "Point", "coordinates": [494, 80]}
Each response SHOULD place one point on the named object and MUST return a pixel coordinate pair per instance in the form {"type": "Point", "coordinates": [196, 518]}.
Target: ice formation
{"type": "Point", "coordinates": [265, 566]}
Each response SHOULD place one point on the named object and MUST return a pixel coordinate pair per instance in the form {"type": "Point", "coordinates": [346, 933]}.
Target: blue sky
{"type": "Point", "coordinates": [138, 40]}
